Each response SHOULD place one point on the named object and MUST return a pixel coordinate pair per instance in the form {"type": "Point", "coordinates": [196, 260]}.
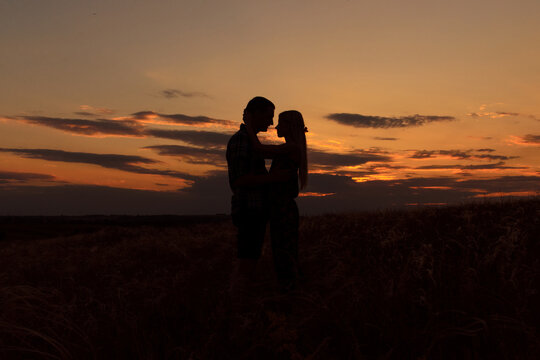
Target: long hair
{"type": "Point", "coordinates": [298, 133]}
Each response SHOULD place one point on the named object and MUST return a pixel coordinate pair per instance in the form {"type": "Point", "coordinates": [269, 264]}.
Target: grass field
{"type": "Point", "coordinates": [437, 283]}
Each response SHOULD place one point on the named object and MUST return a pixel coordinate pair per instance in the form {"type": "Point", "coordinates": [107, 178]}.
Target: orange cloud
{"type": "Point", "coordinates": [315, 194]}
{"type": "Point", "coordinates": [511, 193]}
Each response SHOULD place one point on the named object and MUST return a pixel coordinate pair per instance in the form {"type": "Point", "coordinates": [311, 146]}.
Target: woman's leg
{"type": "Point", "coordinates": [284, 234]}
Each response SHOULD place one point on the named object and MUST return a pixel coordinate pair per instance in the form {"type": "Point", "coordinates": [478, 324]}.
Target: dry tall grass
{"type": "Point", "coordinates": [449, 283]}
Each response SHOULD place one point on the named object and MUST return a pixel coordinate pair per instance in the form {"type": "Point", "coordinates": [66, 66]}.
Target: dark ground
{"type": "Point", "coordinates": [458, 282]}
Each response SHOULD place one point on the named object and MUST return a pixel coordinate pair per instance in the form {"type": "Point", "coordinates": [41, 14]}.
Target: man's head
{"type": "Point", "coordinates": [261, 113]}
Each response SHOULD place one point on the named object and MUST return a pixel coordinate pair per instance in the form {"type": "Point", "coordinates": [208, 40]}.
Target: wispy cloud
{"type": "Point", "coordinates": [459, 154]}
{"type": "Point", "coordinates": [354, 158]}
{"type": "Point", "coordinates": [98, 127]}
{"type": "Point", "coordinates": [96, 111]}
{"type": "Point", "coordinates": [132, 128]}
{"type": "Point", "coordinates": [493, 114]}
{"type": "Point", "coordinates": [207, 139]}
{"type": "Point", "coordinates": [385, 138]}
{"type": "Point", "coordinates": [129, 163]}
{"type": "Point", "coordinates": [174, 93]}
{"type": "Point", "coordinates": [480, 137]}
{"type": "Point", "coordinates": [182, 119]}
{"type": "Point", "coordinates": [9, 176]}
{"type": "Point", "coordinates": [190, 154]}
{"type": "Point", "coordinates": [499, 165]}
{"type": "Point", "coordinates": [368, 121]}
{"type": "Point", "coordinates": [484, 112]}
{"type": "Point", "coordinates": [526, 140]}
{"type": "Point", "coordinates": [533, 139]}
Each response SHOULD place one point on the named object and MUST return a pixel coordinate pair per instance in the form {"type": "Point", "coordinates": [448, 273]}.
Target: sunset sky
{"type": "Point", "coordinates": [126, 107]}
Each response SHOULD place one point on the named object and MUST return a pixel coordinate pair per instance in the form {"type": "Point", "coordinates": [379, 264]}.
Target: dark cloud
{"type": "Point", "coordinates": [207, 195]}
{"type": "Point", "coordinates": [174, 93]}
{"type": "Point", "coordinates": [8, 176]}
{"type": "Point", "coordinates": [502, 184]}
{"type": "Point", "coordinates": [216, 155]}
{"type": "Point", "coordinates": [494, 157]}
{"type": "Point", "coordinates": [184, 119]}
{"type": "Point", "coordinates": [387, 166]}
{"type": "Point", "coordinates": [386, 138]}
{"type": "Point", "coordinates": [323, 158]}
{"type": "Point", "coordinates": [485, 150]}
{"type": "Point", "coordinates": [367, 121]}
{"type": "Point", "coordinates": [422, 154]}
{"type": "Point", "coordinates": [191, 155]}
{"type": "Point", "coordinates": [367, 170]}
{"type": "Point", "coordinates": [88, 200]}
{"type": "Point", "coordinates": [110, 161]}
{"type": "Point", "coordinates": [211, 194]}
{"type": "Point", "coordinates": [380, 194]}
{"type": "Point", "coordinates": [481, 137]}
{"type": "Point", "coordinates": [531, 139]}
{"type": "Point", "coordinates": [425, 154]}
{"type": "Point", "coordinates": [87, 127]}
{"type": "Point", "coordinates": [499, 165]}
{"type": "Point", "coordinates": [129, 128]}
{"type": "Point", "coordinates": [459, 154]}
{"type": "Point", "coordinates": [84, 113]}
{"type": "Point", "coordinates": [504, 113]}
{"type": "Point", "coordinates": [199, 138]}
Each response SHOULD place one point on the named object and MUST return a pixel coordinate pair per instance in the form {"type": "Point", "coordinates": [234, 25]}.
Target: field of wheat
{"type": "Point", "coordinates": [458, 282]}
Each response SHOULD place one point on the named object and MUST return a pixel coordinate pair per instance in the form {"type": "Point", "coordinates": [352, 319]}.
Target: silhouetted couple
{"type": "Point", "coordinates": [260, 196]}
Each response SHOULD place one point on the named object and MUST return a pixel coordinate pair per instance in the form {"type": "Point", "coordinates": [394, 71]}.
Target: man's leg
{"type": "Point", "coordinates": [251, 230]}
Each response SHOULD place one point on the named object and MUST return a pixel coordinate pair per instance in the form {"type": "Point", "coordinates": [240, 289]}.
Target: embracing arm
{"type": "Point", "coordinates": [267, 151]}
{"type": "Point", "coordinates": [264, 179]}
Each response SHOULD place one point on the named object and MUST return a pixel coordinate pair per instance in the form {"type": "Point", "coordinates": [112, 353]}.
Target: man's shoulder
{"type": "Point", "coordinates": [238, 137]}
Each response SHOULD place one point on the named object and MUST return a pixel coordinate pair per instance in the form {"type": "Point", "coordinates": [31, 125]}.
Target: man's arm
{"type": "Point", "coordinates": [267, 151]}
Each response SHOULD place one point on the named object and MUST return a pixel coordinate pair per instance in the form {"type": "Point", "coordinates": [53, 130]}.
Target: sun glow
{"type": "Point", "coordinates": [374, 177]}
{"type": "Point", "coordinates": [315, 194]}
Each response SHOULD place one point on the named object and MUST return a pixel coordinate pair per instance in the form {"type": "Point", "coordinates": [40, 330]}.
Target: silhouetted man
{"type": "Point", "coordinates": [249, 204]}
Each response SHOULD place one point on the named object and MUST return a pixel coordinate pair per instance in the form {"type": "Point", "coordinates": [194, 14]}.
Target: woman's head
{"type": "Point", "coordinates": [291, 126]}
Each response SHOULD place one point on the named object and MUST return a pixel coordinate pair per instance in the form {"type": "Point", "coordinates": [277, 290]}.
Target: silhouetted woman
{"type": "Point", "coordinates": [290, 158]}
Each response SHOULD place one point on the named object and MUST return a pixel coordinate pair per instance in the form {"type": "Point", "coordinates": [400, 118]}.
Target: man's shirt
{"type": "Point", "coordinates": [242, 160]}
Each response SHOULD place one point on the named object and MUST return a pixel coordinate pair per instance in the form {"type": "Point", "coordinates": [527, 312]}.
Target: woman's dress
{"type": "Point", "coordinates": [284, 223]}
